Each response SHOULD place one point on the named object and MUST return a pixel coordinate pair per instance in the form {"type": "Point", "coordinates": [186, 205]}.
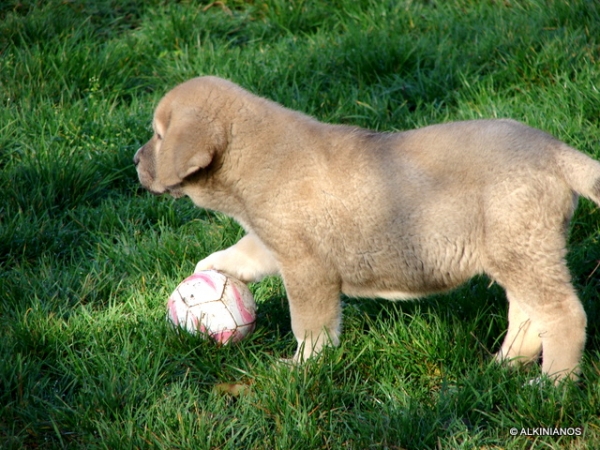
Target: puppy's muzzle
{"type": "Point", "coordinates": [136, 157]}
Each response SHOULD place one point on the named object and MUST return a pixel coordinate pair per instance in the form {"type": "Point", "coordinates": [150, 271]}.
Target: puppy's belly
{"type": "Point", "coordinates": [409, 279]}
{"type": "Point", "coordinates": [402, 291]}
{"type": "Point", "coordinates": [357, 291]}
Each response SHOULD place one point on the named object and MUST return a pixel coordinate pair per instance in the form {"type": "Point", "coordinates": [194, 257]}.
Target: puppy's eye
{"type": "Point", "coordinates": [159, 136]}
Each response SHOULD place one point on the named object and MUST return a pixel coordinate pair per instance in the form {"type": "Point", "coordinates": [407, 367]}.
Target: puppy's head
{"type": "Point", "coordinates": [188, 135]}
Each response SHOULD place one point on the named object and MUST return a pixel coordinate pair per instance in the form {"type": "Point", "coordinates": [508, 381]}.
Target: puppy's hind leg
{"type": "Point", "coordinates": [557, 320]}
{"type": "Point", "coordinates": [522, 343]}
{"type": "Point", "coordinates": [525, 249]}
{"type": "Point", "coordinates": [248, 260]}
{"type": "Point", "coordinates": [563, 331]}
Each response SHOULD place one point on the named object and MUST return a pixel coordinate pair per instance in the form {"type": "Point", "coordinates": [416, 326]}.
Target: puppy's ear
{"type": "Point", "coordinates": [190, 143]}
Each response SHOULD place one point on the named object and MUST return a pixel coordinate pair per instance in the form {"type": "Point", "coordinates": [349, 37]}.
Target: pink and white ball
{"type": "Point", "coordinates": [214, 305]}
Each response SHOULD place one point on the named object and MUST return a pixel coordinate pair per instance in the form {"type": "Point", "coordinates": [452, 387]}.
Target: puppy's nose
{"type": "Point", "coordinates": [136, 157]}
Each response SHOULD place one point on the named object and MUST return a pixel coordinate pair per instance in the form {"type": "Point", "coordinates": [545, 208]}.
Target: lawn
{"type": "Point", "coordinates": [88, 258]}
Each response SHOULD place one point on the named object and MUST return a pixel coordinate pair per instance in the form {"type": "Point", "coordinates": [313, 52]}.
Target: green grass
{"type": "Point", "coordinates": [87, 258]}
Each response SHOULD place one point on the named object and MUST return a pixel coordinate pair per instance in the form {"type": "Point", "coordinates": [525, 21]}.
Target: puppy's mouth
{"type": "Point", "coordinates": [175, 191]}
{"type": "Point", "coordinates": [155, 188]}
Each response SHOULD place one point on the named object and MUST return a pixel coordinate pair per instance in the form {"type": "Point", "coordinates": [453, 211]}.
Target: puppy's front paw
{"type": "Point", "coordinates": [204, 264]}
{"type": "Point", "coordinates": [231, 263]}
{"type": "Point", "coordinates": [216, 261]}
{"type": "Point", "coordinates": [248, 260]}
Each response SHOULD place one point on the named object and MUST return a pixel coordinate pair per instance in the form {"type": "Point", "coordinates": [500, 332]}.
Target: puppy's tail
{"type": "Point", "coordinates": [580, 171]}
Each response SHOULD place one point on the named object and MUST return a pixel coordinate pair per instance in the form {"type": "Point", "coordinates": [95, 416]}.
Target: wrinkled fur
{"type": "Point", "coordinates": [394, 215]}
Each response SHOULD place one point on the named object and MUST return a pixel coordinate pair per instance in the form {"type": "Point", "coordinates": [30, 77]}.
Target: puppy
{"type": "Point", "coordinates": [335, 209]}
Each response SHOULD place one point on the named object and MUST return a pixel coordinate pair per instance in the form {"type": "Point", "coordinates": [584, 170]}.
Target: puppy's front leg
{"type": "Point", "coordinates": [248, 260]}
{"type": "Point", "coordinates": [315, 309]}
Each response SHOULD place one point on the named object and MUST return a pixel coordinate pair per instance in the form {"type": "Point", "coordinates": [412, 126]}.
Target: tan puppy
{"type": "Point", "coordinates": [401, 215]}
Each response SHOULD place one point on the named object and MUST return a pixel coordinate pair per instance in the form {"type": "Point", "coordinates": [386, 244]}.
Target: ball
{"type": "Point", "coordinates": [210, 303]}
